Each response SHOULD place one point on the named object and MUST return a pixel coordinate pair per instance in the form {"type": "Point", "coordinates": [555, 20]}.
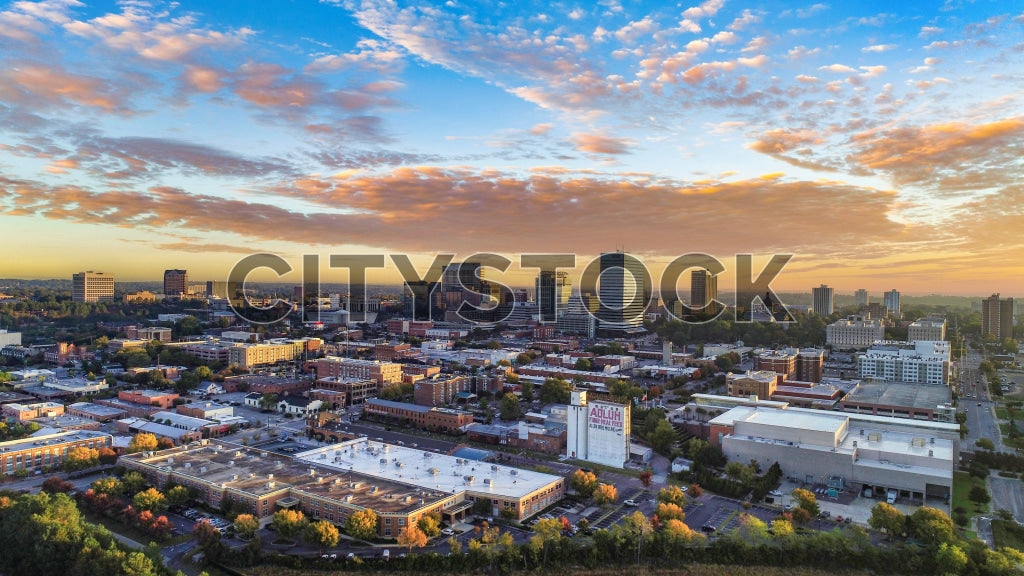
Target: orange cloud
{"type": "Point", "coordinates": [600, 144]}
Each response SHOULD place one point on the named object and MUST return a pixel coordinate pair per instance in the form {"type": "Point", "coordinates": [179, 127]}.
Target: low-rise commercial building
{"type": "Point", "coordinates": [400, 485]}
{"type": "Point", "coordinates": [96, 412]}
{"type": "Point", "coordinates": [423, 417]}
{"type": "Point", "coordinates": [23, 412]}
{"type": "Point", "coordinates": [929, 328]}
{"type": "Point", "coordinates": [827, 448]}
{"type": "Point", "coordinates": [440, 389]}
{"type": "Point", "coordinates": [382, 373]}
{"type": "Point", "coordinates": [47, 451]}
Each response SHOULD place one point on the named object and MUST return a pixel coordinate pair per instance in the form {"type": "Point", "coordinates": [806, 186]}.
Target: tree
{"type": "Point", "coordinates": [695, 491]}
{"type": "Point", "coordinates": [584, 483]}
{"type": "Point", "coordinates": [979, 494]}
{"type": "Point", "coordinates": [138, 564]}
{"type": "Point", "coordinates": [555, 391]}
{"type": "Point", "coordinates": [605, 494]}
{"type": "Point", "coordinates": [322, 534]}
{"type": "Point", "coordinates": [246, 525]}
{"type": "Point", "coordinates": [107, 456]}
{"type": "Point", "coordinates": [55, 484]}
{"type": "Point", "coordinates": [509, 407]}
{"type": "Point", "coordinates": [430, 525]}
{"type": "Point", "coordinates": [672, 495]}
{"type": "Point", "coordinates": [677, 533]}
{"type": "Point", "coordinates": [81, 458]}
{"type": "Point", "coordinates": [410, 536]}
{"type": "Point", "coordinates": [288, 523]}
{"type": "Point", "coordinates": [362, 525]}
{"type": "Point", "coordinates": [178, 496]}
{"type": "Point", "coordinates": [133, 482]}
{"type": "Point", "coordinates": [646, 477]}
{"type": "Point", "coordinates": [952, 559]}
{"type": "Point", "coordinates": [662, 438]}
{"type": "Point", "coordinates": [782, 528]}
{"type": "Point", "coordinates": [108, 485]}
{"type": "Point", "coordinates": [548, 531]}
{"type": "Point", "coordinates": [887, 518]}
{"type": "Point", "coordinates": [806, 500]}
{"type": "Point", "coordinates": [151, 500]}
{"type": "Point", "coordinates": [640, 526]}
{"type": "Point", "coordinates": [930, 525]}
{"type": "Point", "coordinates": [985, 443]}
{"type": "Point", "coordinates": [526, 390]}
{"type": "Point", "coordinates": [583, 364]}
{"type": "Point", "coordinates": [752, 528]}
{"type": "Point", "coordinates": [739, 472]}
{"type": "Point", "coordinates": [668, 511]}
{"type": "Point", "coordinates": [141, 442]}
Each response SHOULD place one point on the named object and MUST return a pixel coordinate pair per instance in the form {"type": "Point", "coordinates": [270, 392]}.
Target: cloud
{"type": "Point", "coordinates": [939, 154]}
{"type": "Point", "coordinates": [154, 35]}
{"type": "Point", "coordinates": [600, 144]}
{"type": "Point", "coordinates": [38, 85]}
{"type": "Point", "coordinates": [706, 10]}
{"type": "Point", "coordinates": [488, 210]}
{"type": "Point", "coordinates": [879, 48]}
{"type": "Point", "coordinates": [837, 68]}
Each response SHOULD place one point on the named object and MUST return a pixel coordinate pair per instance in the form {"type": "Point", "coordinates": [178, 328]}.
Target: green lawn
{"type": "Point", "coordinates": [962, 484]}
{"type": "Point", "coordinates": [1002, 413]}
{"type": "Point", "coordinates": [1007, 533]}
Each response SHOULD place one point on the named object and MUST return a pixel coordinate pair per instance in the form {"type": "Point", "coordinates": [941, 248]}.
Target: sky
{"type": "Point", "coordinates": [881, 144]}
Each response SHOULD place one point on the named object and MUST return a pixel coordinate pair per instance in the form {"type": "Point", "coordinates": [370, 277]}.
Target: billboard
{"type": "Point", "coordinates": [608, 433]}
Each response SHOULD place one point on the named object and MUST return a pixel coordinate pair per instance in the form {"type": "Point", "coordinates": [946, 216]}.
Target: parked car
{"type": "Point", "coordinates": [631, 503]}
{"type": "Point", "coordinates": [448, 532]}
{"type": "Point", "coordinates": [776, 492]}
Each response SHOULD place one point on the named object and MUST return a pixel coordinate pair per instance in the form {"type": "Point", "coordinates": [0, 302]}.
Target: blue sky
{"type": "Point", "coordinates": [880, 143]}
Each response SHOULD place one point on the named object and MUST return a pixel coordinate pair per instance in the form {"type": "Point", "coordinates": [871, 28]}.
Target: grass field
{"type": "Point", "coordinates": [962, 484]}
{"type": "Point", "coordinates": [1007, 533]}
{"type": "Point", "coordinates": [1002, 413]}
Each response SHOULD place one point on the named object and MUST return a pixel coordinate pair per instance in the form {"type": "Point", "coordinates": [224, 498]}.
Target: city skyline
{"type": "Point", "coordinates": [877, 143]}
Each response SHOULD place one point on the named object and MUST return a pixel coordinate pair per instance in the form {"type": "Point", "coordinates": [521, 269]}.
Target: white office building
{"type": "Point", "coordinates": [831, 449]}
{"type": "Point", "coordinates": [920, 362]}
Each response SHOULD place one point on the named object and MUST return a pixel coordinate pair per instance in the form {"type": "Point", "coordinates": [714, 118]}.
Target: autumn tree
{"type": "Point", "coordinates": [584, 483]}
{"type": "Point", "coordinates": [81, 458]}
{"type": "Point", "coordinates": [677, 533]}
{"type": "Point", "coordinates": [782, 528]}
{"type": "Point", "coordinates": [930, 525]}
{"type": "Point", "coordinates": [668, 511]}
{"type": "Point", "coordinates": [410, 536]}
{"type": "Point", "coordinates": [107, 456]}
{"type": "Point", "coordinates": [887, 518]}
{"type": "Point", "coordinates": [548, 531]}
{"type": "Point", "coordinates": [605, 494]}
{"type": "Point", "coordinates": [246, 525]}
{"type": "Point", "coordinates": [55, 484]}
{"type": "Point", "coordinates": [362, 525]}
{"type": "Point", "coordinates": [322, 534]}
{"type": "Point", "coordinates": [430, 525]}
{"type": "Point", "coordinates": [806, 500]}
{"type": "Point", "coordinates": [646, 478]}
{"type": "Point", "coordinates": [108, 485]}
{"type": "Point", "coordinates": [672, 495]}
{"type": "Point", "coordinates": [288, 523]}
{"type": "Point", "coordinates": [141, 442]}
{"type": "Point", "coordinates": [152, 500]}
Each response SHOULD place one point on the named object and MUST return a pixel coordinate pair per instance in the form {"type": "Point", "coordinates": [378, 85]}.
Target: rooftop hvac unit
{"type": "Point", "coordinates": [487, 481]}
{"type": "Point", "coordinates": [383, 461]}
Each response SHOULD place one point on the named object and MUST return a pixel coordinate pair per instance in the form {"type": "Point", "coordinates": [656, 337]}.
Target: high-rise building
{"type": "Point", "coordinates": [92, 287]}
{"type": "Point", "coordinates": [623, 291]}
{"type": "Point", "coordinates": [997, 316]}
{"type": "Point", "coordinates": [175, 283]}
{"type": "Point", "coordinates": [553, 291]}
{"type": "Point", "coordinates": [861, 297]}
{"type": "Point", "coordinates": [703, 289]}
{"type": "Point", "coordinates": [891, 299]}
{"type": "Point", "coordinates": [821, 303]}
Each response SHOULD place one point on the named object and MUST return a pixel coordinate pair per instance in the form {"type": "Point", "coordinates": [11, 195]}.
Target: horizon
{"type": "Point", "coordinates": [877, 143]}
